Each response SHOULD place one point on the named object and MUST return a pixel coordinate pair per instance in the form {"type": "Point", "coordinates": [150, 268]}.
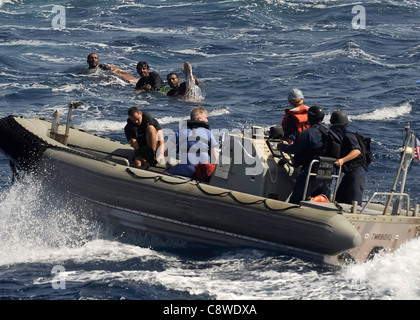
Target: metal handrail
{"type": "Point", "coordinates": [311, 174]}
{"type": "Point", "coordinates": [125, 160]}
{"type": "Point", "coordinates": [391, 195]}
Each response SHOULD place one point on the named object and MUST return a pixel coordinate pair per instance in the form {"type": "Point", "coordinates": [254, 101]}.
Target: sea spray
{"type": "Point", "coordinates": [35, 219]}
{"type": "Point", "coordinates": [388, 275]}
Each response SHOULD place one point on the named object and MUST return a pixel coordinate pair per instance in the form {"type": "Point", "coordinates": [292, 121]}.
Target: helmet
{"type": "Point", "coordinates": [315, 115]}
{"type": "Point", "coordinates": [339, 117]}
{"type": "Point", "coordinates": [295, 94]}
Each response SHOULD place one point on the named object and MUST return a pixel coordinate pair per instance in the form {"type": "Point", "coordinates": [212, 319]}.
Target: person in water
{"type": "Point", "coordinates": [93, 62]}
{"type": "Point", "coordinates": [149, 80]}
{"type": "Point", "coordinates": [196, 144]}
{"type": "Point", "coordinates": [296, 118]}
{"type": "Point", "coordinates": [145, 135]}
{"type": "Point", "coordinates": [177, 88]}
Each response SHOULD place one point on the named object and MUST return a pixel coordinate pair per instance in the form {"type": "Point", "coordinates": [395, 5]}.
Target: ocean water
{"type": "Point", "coordinates": [247, 55]}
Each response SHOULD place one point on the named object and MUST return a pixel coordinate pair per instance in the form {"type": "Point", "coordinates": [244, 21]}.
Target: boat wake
{"type": "Point", "coordinates": [380, 114]}
{"type": "Point", "coordinates": [386, 113]}
{"type": "Point", "coordinates": [41, 227]}
{"type": "Point", "coordinates": [35, 222]}
{"type": "Point", "coordinates": [389, 276]}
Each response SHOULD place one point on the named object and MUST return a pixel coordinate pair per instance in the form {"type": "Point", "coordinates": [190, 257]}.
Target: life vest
{"type": "Point", "coordinates": [299, 115]}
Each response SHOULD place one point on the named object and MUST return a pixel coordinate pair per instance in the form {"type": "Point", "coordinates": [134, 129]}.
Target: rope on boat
{"type": "Point", "coordinates": [202, 187]}
{"type": "Point", "coordinates": [27, 148]}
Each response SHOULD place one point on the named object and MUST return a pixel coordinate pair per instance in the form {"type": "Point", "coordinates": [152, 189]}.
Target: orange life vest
{"type": "Point", "coordinates": [300, 115]}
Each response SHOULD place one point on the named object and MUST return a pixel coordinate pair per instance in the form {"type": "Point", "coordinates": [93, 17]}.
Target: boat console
{"type": "Point", "coordinates": [253, 164]}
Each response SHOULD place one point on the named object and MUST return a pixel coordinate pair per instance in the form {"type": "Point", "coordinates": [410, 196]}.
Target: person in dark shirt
{"type": "Point", "coordinates": [305, 149]}
{"type": "Point", "coordinates": [145, 135]}
{"type": "Point", "coordinates": [178, 88]}
{"type": "Point", "coordinates": [353, 183]}
{"type": "Point", "coordinates": [149, 80]}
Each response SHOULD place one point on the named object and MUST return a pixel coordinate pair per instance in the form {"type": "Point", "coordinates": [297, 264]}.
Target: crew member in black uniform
{"type": "Point", "coordinates": [351, 160]}
{"type": "Point", "coordinates": [306, 148]}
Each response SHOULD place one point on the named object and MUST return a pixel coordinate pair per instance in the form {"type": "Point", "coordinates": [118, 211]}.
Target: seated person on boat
{"type": "Point", "coordinates": [195, 142]}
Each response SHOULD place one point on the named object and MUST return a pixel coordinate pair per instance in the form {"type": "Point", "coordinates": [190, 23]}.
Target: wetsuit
{"type": "Point", "coordinates": [153, 79]}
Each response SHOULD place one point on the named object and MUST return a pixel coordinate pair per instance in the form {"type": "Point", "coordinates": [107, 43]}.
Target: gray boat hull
{"type": "Point", "coordinates": [95, 169]}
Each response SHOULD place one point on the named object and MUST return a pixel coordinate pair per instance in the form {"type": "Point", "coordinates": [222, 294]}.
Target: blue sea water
{"type": "Point", "coordinates": [247, 55]}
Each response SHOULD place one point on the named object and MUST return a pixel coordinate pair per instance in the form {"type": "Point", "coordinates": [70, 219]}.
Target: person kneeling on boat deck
{"type": "Point", "coordinates": [351, 160]}
{"type": "Point", "coordinates": [308, 146]}
{"type": "Point", "coordinates": [196, 145]}
{"type": "Point", "coordinates": [145, 136]}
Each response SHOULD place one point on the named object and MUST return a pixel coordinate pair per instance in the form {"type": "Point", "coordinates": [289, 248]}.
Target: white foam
{"type": "Point", "coordinates": [50, 58]}
{"type": "Point", "coordinates": [5, 1]}
{"type": "Point", "coordinates": [219, 112]}
{"type": "Point", "coordinates": [212, 113]}
{"type": "Point", "coordinates": [34, 224]}
{"type": "Point", "coordinates": [102, 126]}
{"type": "Point", "coordinates": [195, 53]}
{"type": "Point", "coordinates": [70, 88]}
{"type": "Point", "coordinates": [143, 30]}
{"type": "Point", "coordinates": [390, 276]}
{"type": "Point", "coordinates": [385, 113]}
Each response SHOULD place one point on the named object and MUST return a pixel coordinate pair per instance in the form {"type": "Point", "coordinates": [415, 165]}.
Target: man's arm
{"type": "Point", "coordinates": [125, 75]}
{"type": "Point", "coordinates": [350, 156]}
{"type": "Point", "coordinates": [213, 155]}
{"type": "Point", "coordinates": [133, 142]}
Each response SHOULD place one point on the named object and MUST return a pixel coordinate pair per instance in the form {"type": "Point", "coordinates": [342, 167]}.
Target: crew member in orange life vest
{"type": "Point", "coordinates": [296, 118]}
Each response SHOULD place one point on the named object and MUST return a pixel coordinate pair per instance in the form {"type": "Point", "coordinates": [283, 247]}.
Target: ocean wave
{"type": "Point", "coordinates": [36, 221]}
{"type": "Point", "coordinates": [110, 126]}
{"type": "Point", "coordinates": [70, 88]}
{"type": "Point", "coordinates": [212, 113]}
{"type": "Point", "coordinates": [385, 113]}
{"type": "Point", "coordinates": [393, 281]}
{"type": "Point", "coordinates": [103, 126]}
